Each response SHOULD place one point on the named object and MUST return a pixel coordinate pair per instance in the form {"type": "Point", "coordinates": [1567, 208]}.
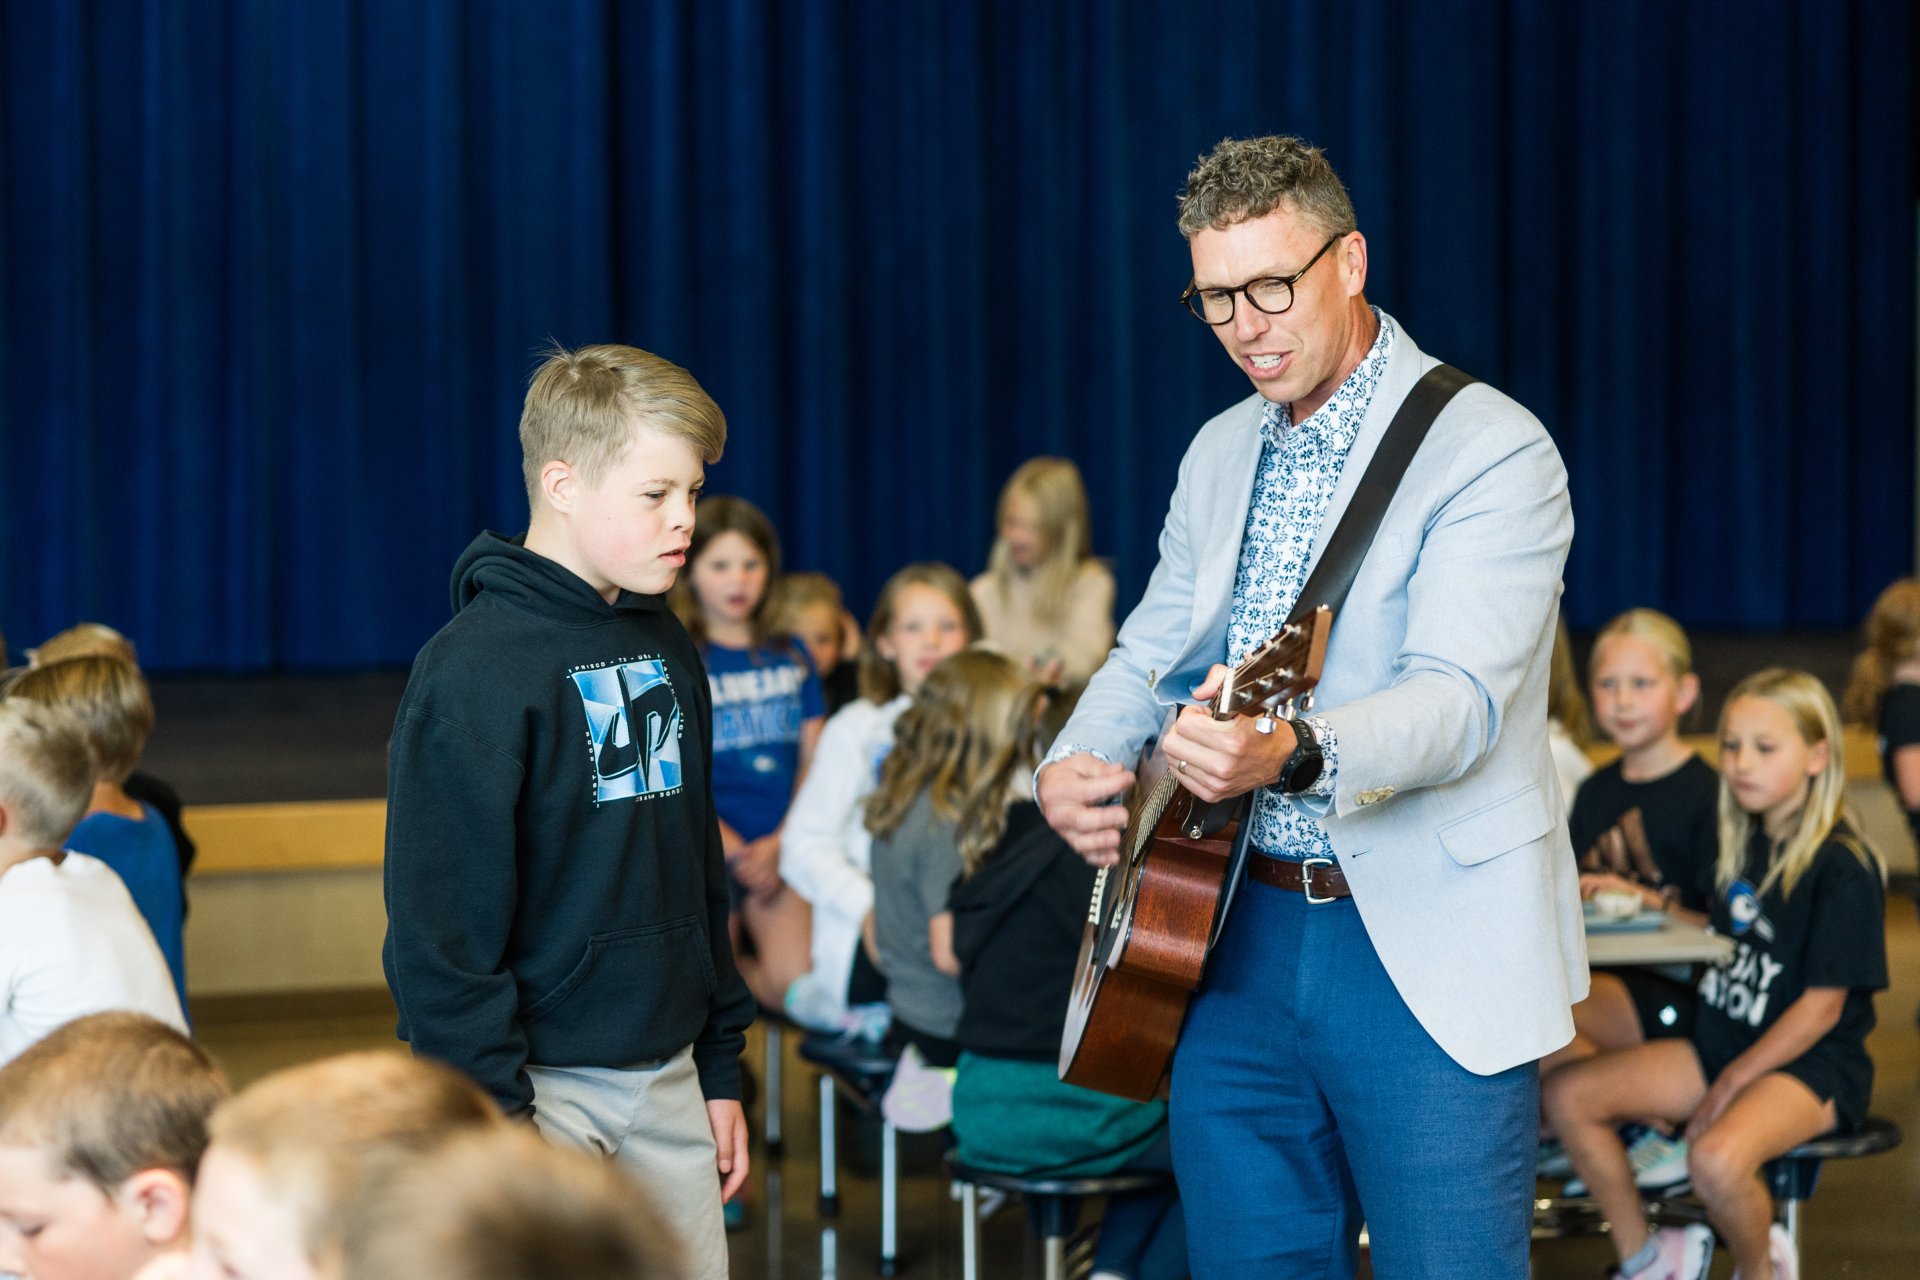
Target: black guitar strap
{"type": "Point", "coordinates": [1339, 564]}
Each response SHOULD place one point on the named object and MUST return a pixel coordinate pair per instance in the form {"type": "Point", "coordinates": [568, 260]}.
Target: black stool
{"type": "Point", "coordinates": [1053, 1205]}
{"type": "Point", "coordinates": [861, 1070]}
{"type": "Point", "coordinates": [1792, 1176]}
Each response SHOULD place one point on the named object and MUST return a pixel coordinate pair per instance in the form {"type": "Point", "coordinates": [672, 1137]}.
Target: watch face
{"type": "Point", "coordinates": [1305, 774]}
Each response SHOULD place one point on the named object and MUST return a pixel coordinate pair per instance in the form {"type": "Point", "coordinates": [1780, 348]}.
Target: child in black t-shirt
{"type": "Point", "coordinates": [1884, 690]}
{"type": "Point", "coordinates": [1778, 1053]}
{"type": "Point", "coordinates": [1643, 825]}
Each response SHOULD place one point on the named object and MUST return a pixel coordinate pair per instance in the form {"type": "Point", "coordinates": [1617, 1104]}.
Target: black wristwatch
{"type": "Point", "coordinates": [1302, 768]}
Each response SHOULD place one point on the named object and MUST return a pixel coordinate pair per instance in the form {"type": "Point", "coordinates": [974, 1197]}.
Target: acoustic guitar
{"type": "Point", "coordinates": [1151, 921]}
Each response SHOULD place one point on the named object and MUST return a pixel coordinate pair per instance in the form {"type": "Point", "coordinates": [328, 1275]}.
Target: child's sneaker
{"type": "Point", "coordinates": [920, 1099]}
{"type": "Point", "coordinates": [1781, 1251]}
{"type": "Point", "coordinates": [1552, 1161]}
{"type": "Point", "coordinates": [1674, 1253]}
{"type": "Point", "coordinates": [1659, 1163]}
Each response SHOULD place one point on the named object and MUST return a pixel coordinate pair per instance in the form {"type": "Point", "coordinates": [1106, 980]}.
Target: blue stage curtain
{"type": "Point", "coordinates": [273, 276]}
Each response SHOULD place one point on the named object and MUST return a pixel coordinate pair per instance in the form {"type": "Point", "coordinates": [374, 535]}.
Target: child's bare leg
{"type": "Point", "coordinates": [781, 925]}
{"type": "Point", "coordinates": [1773, 1114]}
{"type": "Point", "coordinates": [1606, 1019]}
{"type": "Point", "coordinates": [1588, 1100]}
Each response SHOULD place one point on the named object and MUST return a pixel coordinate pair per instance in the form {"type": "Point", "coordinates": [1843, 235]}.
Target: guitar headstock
{"type": "Point", "coordinates": [1280, 673]}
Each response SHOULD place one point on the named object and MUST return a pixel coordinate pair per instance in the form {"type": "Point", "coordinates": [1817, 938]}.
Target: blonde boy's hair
{"type": "Point", "coordinates": [1658, 630]}
{"type": "Point", "coordinates": [504, 1205]}
{"type": "Point", "coordinates": [1059, 498]}
{"type": "Point", "coordinates": [111, 1095]}
{"type": "Point", "coordinates": [82, 640]}
{"type": "Point", "coordinates": [879, 677]}
{"type": "Point", "coordinates": [973, 728]}
{"type": "Point", "coordinates": [1810, 707]}
{"type": "Point", "coordinates": [314, 1132]}
{"type": "Point", "coordinates": [108, 696]}
{"type": "Point", "coordinates": [584, 406]}
{"type": "Point", "coordinates": [46, 771]}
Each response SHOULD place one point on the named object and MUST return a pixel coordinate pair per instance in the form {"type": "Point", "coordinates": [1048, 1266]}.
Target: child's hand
{"type": "Point", "coordinates": [1720, 1096]}
{"type": "Point", "coordinates": [729, 1123]}
{"type": "Point", "coordinates": [758, 866]}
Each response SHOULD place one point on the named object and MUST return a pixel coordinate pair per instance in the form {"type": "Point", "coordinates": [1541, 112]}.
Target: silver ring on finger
{"type": "Point", "coordinates": [1181, 765]}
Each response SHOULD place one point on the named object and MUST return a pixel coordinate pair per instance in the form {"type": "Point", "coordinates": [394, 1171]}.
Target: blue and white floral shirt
{"type": "Point", "coordinates": [1299, 468]}
{"type": "Point", "coordinates": [1300, 465]}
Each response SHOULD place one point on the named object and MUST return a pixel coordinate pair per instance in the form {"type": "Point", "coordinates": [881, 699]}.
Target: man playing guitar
{"type": "Point", "coordinates": [1408, 941]}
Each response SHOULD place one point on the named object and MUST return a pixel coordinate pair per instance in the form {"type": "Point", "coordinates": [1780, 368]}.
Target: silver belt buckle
{"type": "Point", "coordinates": [1306, 879]}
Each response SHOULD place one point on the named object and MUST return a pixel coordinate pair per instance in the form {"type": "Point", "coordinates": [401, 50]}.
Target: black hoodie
{"type": "Point", "coordinates": [555, 887]}
{"type": "Point", "coordinates": [1017, 923]}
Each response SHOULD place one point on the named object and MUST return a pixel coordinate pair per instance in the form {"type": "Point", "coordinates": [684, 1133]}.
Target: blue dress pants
{"type": "Point", "coordinates": [1307, 1099]}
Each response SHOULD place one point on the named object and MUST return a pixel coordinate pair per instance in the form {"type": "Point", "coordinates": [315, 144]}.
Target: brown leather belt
{"type": "Point", "coordinates": [1319, 879]}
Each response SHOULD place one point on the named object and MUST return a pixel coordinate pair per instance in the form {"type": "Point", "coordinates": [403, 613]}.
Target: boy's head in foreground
{"type": "Point", "coordinates": [286, 1153]}
{"type": "Point", "coordinates": [46, 779]}
{"type": "Point", "coordinates": [614, 445]}
{"type": "Point", "coordinates": [504, 1205]}
{"type": "Point", "coordinates": [102, 1124]}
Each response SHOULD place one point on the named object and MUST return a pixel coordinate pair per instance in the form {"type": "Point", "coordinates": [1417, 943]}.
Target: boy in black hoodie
{"type": "Point", "coordinates": [555, 890]}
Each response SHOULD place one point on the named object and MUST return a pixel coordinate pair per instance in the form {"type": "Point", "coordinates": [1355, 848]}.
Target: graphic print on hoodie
{"type": "Point", "coordinates": [633, 729]}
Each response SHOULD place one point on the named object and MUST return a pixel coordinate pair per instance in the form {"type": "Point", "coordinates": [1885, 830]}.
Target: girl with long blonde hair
{"type": "Point", "coordinates": [1778, 1050]}
{"type": "Point", "coordinates": [1044, 598]}
{"type": "Point", "coordinates": [961, 753]}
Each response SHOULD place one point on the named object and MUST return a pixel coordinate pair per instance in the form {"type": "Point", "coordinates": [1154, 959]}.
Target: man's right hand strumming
{"type": "Point", "coordinates": [1076, 794]}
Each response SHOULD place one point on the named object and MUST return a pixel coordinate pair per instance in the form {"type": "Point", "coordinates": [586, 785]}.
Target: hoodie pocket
{"type": "Point", "coordinates": [635, 995]}
{"type": "Point", "coordinates": [1504, 825]}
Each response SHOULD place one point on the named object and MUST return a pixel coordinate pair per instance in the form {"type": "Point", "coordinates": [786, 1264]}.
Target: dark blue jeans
{"type": "Point", "coordinates": [1143, 1236]}
{"type": "Point", "coordinates": [1308, 1099]}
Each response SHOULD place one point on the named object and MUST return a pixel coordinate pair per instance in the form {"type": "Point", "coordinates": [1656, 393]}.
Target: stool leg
{"type": "Point", "coordinates": [774, 1105]}
{"type": "Point", "coordinates": [969, 1231]}
{"type": "Point", "coordinates": [889, 1197]}
{"type": "Point", "coordinates": [1790, 1218]}
{"type": "Point", "coordinates": [829, 1151]}
{"type": "Point", "coordinates": [1056, 1254]}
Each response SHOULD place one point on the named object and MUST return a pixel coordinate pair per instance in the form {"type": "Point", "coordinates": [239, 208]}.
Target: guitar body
{"type": "Point", "coordinates": [1152, 916]}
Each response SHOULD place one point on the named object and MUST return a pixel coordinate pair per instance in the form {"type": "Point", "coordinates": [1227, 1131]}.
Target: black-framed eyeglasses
{"type": "Point", "coordinates": [1271, 294]}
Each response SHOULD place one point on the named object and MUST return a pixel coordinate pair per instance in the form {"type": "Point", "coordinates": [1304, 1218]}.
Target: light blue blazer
{"type": "Point", "coordinates": [1446, 813]}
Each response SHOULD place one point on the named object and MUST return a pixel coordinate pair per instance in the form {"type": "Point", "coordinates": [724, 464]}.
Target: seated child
{"type": "Point", "coordinates": [1883, 691]}
{"type": "Point", "coordinates": [923, 616]}
{"type": "Point", "coordinates": [111, 701]}
{"type": "Point", "coordinates": [808, 607]}
{"type": "Point", "coordinates": [955, 749]}
{"type": "Point", "coordinates": [71, 940]}
{"type": "Point", "coordinates": [1569, 719]}
{"type": "Point", "coordinates": [767, 713]}
{"type": "Point", "coordinates": [1018, 914]}
{"type": "Point", "coordinates": [1646, 825]}
{"type": "Point", "coordinates": [503, 1205]}
{"type": "Point", "coordinates": [96, 639]}
{"type": "Point", "coordinates": [1044, 598]}
{"type": "Point", "coordinates": [102, 1124]}
{"type": "Point", "coordinates": [287, 1153]}
{"type": "Point", "coordinates": [1778, 1052]}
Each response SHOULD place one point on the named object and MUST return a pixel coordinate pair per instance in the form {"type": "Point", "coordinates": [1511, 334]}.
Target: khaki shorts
{"type": "Point", "coordinates": [652, 1119]}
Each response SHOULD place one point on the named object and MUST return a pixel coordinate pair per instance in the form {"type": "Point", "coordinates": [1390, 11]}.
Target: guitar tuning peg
{"type": "Point", "coordinates": [1266, 683]}
{"type": "Point", "coordinates": [1286, 709]}
{"type": "Point", "coordinates": [1306, 704]}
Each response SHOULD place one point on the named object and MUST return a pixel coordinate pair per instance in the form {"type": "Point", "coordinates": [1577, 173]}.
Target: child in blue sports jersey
{"type": "Point", "coordinates": [767, 712]}
{"type": "Point", "coordinates": [1778, 1051]}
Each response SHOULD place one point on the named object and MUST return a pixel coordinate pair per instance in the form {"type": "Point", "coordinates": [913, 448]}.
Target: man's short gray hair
{"type": "Point", "coordinates": [1245, 178]}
